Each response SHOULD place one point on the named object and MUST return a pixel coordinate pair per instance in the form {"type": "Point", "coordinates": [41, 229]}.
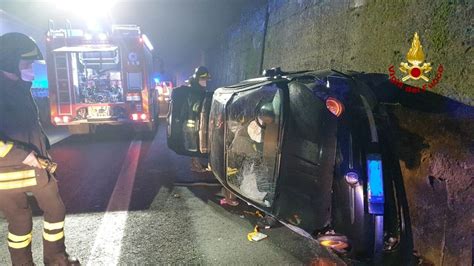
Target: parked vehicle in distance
{"type": "Point", "coordinates": [312, 149]}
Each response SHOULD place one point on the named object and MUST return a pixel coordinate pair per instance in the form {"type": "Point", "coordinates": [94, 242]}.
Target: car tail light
{"type": "Point", "coordinates": [334, 106]}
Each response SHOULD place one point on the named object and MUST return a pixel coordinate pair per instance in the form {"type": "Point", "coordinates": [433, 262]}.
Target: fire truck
{"type": "Point", "coordinates": [101, 78]}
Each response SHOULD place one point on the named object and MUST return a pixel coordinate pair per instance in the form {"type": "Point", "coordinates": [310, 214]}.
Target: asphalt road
{"type": "Point", "coordinates": [123, 207]}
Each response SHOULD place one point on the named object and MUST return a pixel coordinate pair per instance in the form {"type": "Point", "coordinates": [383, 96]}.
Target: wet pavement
{"type": "Point", "coordinates": [124, 208]}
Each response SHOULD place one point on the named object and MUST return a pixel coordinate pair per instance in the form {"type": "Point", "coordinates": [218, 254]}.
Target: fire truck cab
{"type": "Point", "coordinates": [101, 78]}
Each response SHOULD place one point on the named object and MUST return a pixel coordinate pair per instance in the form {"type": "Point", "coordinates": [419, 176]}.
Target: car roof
{"type": "Point", "coordinates": [284, 77]}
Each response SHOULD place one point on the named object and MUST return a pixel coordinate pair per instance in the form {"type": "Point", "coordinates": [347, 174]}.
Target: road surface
{"type": "Point", "coordinates": [123, 207]}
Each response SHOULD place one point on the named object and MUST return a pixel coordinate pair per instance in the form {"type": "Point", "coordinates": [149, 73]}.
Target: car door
{"type": "Point", "coordinates": [187, 122]}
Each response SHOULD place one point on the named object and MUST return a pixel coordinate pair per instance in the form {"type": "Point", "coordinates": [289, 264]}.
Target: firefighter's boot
{"type": "Point", "coordinates": [62, 260]}
{"type": "Point", "coordinates": [53, 245]}
{"type": "Point", "coordinates": [20, 249]}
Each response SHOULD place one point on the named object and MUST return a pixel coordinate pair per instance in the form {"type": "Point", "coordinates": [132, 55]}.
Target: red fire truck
{"type": "Point", "coordinates": [101, 78]}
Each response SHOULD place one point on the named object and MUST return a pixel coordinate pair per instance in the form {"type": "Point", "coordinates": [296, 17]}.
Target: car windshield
{"type": "Point", "coordinates": [252, 141]}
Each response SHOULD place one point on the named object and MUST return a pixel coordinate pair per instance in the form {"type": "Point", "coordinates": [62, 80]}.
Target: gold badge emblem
{"type": "Point", "coordinates": [415, 69]}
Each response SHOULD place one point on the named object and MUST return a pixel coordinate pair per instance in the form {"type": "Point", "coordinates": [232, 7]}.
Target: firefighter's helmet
{"type": "Point", "coordinates": [15, 46]}
{"type": "Point", "coordinates": [201, 72]}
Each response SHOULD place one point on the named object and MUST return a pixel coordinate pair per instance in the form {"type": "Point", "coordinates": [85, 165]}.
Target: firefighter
{"type": "Point", "coordinates": [25, 165]}
{"type": "Point", "coordinates": [190, 106]}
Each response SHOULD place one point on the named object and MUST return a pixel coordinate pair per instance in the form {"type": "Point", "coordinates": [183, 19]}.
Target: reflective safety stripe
{"type": "Point", "coordinates": [5, 148]}
{"type": "Point", "coordinates": [17, 175]}
{"type": "Point", "coordinates": [191, 123]}
{"type": "Point", "coordinates": [17, 242]}
{"type": "Point", "coordinates": [17, 238]}
{"type": "Point", "coordinates": [53, 226]}
{"type": "Point", "coordinates": [18, 245]}
{"type": "Point", "coordinates": [53, 237]}
{"type": "Point", "coordinates": [18, 184]}
{"type": "Point", "coordinates": [231, 171]}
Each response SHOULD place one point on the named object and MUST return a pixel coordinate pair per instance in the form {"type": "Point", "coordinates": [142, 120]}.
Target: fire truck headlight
{"type": "Point", "coordinates": [57, 119]}
{"type": "Point", "coordinates": [143, 116]}
{"type": "Point", "coordinates": [66, 119]}
{"type": "Point", "coordinates": [134, 117]}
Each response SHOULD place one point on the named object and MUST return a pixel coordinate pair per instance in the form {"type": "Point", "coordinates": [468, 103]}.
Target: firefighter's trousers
{"type": "Point", "coordinates": [18, 214]}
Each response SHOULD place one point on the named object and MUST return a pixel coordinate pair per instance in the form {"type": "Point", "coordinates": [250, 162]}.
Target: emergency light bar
{"type": "Point", "coordinates": [375, 191]}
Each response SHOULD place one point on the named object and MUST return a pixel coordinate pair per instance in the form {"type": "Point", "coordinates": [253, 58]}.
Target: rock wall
{"type": "Point", "coordinates": [437, 161]}
{"type": "Point", "coordinates": [371, 35]}
{"type": "Point", "coordinates": [363, 35]}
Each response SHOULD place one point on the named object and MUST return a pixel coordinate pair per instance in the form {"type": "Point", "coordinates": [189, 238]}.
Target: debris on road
{"type": "Point", "coordinates": [256, 235]}
{"type": "Point", "coordinates": [256, 213]}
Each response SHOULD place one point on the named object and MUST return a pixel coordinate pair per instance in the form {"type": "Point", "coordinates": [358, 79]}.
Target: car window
{"type": "Point", "coordinates": [252, 140]}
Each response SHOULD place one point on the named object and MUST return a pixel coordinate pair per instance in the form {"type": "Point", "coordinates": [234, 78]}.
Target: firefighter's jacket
{"type": "Point", "coordinates": [185, 108]}
{"type": "Point", "coordinates": [20, 133]}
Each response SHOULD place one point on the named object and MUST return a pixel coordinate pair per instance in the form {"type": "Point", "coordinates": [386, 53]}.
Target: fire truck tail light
{"type": "Point", "coordinates": [143, 116]}
{"type": "Point", "coordinates": [334, 106]}
{"type": "Point", "coordinates": [57, 119]}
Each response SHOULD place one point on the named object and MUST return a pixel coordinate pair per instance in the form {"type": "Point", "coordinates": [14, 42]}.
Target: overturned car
{"type": "Point", "coordinates": [311, 149]}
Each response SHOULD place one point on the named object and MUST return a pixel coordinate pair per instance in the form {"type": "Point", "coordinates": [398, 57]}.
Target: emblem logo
{"type": "Point", "coordinates": [415, 69]}
{"type": "Point", "coordinates": [415, 58]}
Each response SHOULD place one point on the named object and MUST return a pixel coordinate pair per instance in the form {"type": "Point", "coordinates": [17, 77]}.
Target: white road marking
{"type": "Point", "coordinates": [108, 242]}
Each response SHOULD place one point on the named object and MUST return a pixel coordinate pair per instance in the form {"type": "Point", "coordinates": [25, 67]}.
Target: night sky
{"type": "Point", "coordinates": [177, 28]}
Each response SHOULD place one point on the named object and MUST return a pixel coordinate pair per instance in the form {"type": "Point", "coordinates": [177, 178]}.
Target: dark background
{"type": "Point", "coordinates": [177, 28]}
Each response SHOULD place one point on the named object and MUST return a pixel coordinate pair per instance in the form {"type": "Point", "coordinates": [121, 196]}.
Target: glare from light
{"type": "Point", "coordinates": [88, 36]}
{"type": "Point", "coordinates": [93, 25]}
{"type": "Point", "coordinates": [102, 36]}
{"type": "Point", "coordinates": [147, 42]}
{"type": "Point", "coordinates": [86, 8]}
{"type": "Point", "coordinates": [157, 80]}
